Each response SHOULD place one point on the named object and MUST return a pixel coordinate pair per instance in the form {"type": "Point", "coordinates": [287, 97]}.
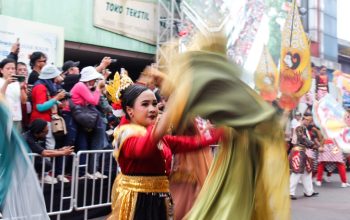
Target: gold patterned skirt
{"type": "Point", "coordinates": [141, 197]}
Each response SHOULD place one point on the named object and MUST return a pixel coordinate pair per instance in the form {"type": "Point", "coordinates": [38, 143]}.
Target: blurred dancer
{"type": "Point", "coordinates": [20, 193]}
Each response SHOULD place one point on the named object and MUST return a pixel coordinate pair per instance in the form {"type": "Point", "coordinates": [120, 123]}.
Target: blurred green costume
{"type": "Point", "coordinates": [20, 194]}
{"type": "Point", "coordinates": [249, 178]}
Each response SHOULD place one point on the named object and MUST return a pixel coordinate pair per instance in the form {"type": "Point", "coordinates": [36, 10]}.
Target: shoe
{"type": "Point", "coordinates": [326, 179]}
{"type": "Point", "coordinates": [88, 176]}
{"type": "Point", "coordinates": [50, 180]}
{"type": "Point", "coordinates": [344, 185]}
{"type": "Point", "coordinates": [99, 175]}
{"type": "Point", "coordinates": [312, 195]}
{"type": "Point", "coordinates": [62, 179]}
{"type": "Point", "coordinates": [293, 197]}
{"type": "Point", "coordinates": [318, 183]}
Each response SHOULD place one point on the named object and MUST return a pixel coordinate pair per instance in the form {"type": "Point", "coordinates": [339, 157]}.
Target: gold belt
{"type": "Point", "coordinates": [145, 184]}
{"type": "Point", "coordinates": [126, 189]}
{"type": "Point", "coordinates": [299, 148]}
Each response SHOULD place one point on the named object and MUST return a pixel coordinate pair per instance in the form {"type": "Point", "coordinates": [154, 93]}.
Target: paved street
{"type": "Point", "coordinates": [333, 202]}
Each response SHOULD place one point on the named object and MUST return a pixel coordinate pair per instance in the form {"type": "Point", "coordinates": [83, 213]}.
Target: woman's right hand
{"type": "Point", "coordinates": [10, 80]}
{"type": "Point", "coordinates": [60, 95]}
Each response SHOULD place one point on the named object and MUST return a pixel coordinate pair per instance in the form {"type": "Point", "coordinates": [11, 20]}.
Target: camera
{"type": "Point", "coordinates": [19, 78]}
{"type": "Point", "coordinates": [113, 60]}
{"type": "Point", "coordinates": [66, 94]}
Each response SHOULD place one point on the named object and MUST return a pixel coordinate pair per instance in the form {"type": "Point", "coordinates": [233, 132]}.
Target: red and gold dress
{"type": "Point", "coordinates": [141, 190]}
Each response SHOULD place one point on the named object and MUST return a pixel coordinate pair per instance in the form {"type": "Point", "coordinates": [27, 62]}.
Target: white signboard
{"type": "Point", "coordinates": [134, 19]}
{"type": "Point", "coordinates": [32, 37]}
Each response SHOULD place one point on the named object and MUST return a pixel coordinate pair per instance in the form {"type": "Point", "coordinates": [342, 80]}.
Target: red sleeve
{"type": "Point", "coordinates": [179, 144]}
{"type": "Point", "coordinates": [140, 147]}
{"type": "Point", "coordinates": [39, 94]}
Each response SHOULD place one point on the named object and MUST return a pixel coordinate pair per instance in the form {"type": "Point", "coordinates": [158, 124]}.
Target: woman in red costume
{"type": "Point", "coordinates": [144, 153]}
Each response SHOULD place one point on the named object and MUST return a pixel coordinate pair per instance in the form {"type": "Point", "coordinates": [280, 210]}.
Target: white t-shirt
{"type": "Point", "coordinates": [295, 123]}
{"type": "Point", "coordinates": [13, 98]}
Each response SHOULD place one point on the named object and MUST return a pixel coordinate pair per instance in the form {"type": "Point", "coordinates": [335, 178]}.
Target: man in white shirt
{"type": "Point", "coordinates": [294, 124]}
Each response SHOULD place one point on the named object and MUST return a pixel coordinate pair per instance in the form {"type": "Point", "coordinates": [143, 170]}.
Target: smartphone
{"type": "Point", "coordinates": [19, 78]}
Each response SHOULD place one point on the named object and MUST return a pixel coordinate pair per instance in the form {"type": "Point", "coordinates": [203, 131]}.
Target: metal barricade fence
{"type": "Point", "coordinates": [47, 169]}
{"type": "Point", "coordinates": [96, 171]}
{"type": "Point", "coordinates": [90, 175]}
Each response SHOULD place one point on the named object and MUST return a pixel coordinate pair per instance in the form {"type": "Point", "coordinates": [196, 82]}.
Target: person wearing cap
{"type": "Point", "coordinates": [87, 92]}
{"type": "Point", "coordinates": [72, 76]}
{"type": "Point", "coordinates": [44, 97]}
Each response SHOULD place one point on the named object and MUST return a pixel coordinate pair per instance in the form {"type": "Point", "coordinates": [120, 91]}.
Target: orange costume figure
{"type": "Point", "coordinates": [189, 171]}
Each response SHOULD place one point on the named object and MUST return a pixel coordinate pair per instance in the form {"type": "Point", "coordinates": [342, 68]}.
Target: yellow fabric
{"type": "Point", "coordinates": [266, 76]}
{"type": "Point", "coordinates": [294, 41]}
{"type": "Point", "coordinates": [249, 177]}
{"type": "Point", "coordinates": [125, 190]}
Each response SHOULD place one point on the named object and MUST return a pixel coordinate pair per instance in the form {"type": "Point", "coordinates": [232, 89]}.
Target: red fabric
{"type": "Point", "coordinates": [328, 141]}
{"type": "Point", "coordinates": [39, 96]}
{"type": "Point", "coordinates": [117, 105]}
{"type": "Point", "coordinates": [141, 156]}
{"type": "Point", "coordinates": [341, 169]}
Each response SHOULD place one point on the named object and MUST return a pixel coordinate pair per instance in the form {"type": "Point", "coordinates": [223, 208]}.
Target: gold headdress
{"type": "Point", "coordinates": [119, 83]}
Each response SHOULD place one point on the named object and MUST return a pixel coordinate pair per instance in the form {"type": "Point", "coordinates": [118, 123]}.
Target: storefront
{"type": "Point", "coordinates": [86, 38]}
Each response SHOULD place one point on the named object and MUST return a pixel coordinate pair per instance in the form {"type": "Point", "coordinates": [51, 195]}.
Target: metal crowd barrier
{"type": "Point", "coordinates": [66, 190]}
{"type": "Point", "coordinates": [81, 192]}
{"type": "Point", "coordinates": [99, 161]}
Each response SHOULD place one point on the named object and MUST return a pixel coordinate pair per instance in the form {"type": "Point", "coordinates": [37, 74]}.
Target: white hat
{"type": "Point", "coordinates": [89, 73]}
{"type": "Point", "coordinates": [49, 72]}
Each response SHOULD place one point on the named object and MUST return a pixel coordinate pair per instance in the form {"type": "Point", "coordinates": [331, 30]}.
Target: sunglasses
{"type": "Point", "coordinates": [42, 61]}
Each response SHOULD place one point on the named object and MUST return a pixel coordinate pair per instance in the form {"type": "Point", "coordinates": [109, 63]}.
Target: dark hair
{"type": "Point", "coordinates": [37, 126]}
{"type": "Point", "coordinates": [34, 57]}
{"type": "Point", "coordinates": [4, 62]}
{"type": "Point", "coordinates": [322, 66]}
{"type": "Point", "coordinates": [130, 94]}
{"type": "Point", "coordinates": [21, 63]}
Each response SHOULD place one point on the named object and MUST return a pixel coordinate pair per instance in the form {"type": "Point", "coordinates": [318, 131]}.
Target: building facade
{"type": "Point", "coordinates": [83, 41]}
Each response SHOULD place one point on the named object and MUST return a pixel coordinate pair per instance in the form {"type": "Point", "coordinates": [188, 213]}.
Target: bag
{"type": "Point", "coordinates": [58, 125]}
{"type": "Point", "coordinates": [85, 116]}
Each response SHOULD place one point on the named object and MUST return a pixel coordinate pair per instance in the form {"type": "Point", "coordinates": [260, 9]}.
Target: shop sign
{"type": "Point", "coordinates": [131, 18]}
